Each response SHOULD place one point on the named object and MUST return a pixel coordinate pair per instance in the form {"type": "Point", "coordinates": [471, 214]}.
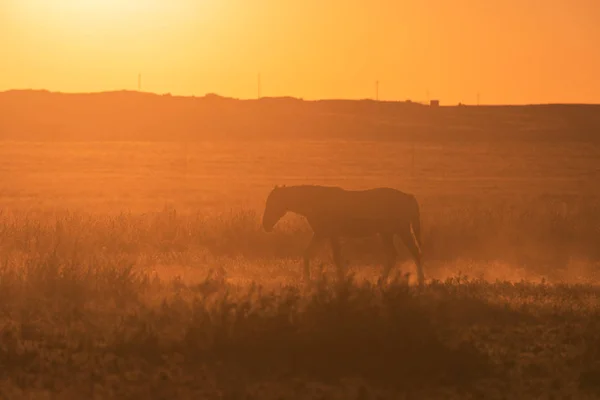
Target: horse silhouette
{"type": "Point", "coordinates": [333, 212]}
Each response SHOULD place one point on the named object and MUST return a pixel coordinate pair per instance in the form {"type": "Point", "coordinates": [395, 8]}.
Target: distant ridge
{"type": "Point", "coordinates": [206, 96]}
{"type": "Point", "coordinates": [132, 115]}
{"type": "Point", "coordinates": [268, 98]}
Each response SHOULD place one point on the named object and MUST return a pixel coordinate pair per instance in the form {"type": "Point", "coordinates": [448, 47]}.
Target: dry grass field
{"type": "Point", "coordinates": [139, 270]}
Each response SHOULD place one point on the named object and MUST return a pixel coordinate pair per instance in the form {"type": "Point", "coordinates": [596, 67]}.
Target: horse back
{"type": "Point", "coordinates": [369, 204]}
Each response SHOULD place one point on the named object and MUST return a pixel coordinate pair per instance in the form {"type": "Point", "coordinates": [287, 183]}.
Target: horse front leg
{"type": "Point", "coordinates": [308, 253]}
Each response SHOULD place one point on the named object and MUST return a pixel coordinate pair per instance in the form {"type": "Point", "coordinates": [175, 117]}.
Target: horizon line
{"type": "Point", "coordinates": [290, 97]}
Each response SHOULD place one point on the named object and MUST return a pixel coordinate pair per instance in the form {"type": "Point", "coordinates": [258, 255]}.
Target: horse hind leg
{"type": "Point", "coordinates": [412, 245]}
{"type": "Point", "coordinates": [390, 257]}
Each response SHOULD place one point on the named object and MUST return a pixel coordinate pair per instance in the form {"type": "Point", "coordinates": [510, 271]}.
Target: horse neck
{"type": "Point", "coordinates": [298, 203]}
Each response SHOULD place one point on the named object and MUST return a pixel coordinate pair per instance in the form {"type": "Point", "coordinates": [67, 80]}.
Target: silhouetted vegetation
{"type": "Point", "coordinates": [101, 306]}
{"type": "Point", "coordinates": [540, 235]}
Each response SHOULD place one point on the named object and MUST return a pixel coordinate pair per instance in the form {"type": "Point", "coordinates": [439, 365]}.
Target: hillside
{"type": "Point", "coordinates": [42, 115]}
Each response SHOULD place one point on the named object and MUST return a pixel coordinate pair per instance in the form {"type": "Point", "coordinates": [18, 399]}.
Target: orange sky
{"type": "Point", "coordinates": [512, 51]}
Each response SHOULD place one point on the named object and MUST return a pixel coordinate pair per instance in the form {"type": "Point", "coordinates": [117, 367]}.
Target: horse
{"type": "Point", "coordinates": [333, 212]}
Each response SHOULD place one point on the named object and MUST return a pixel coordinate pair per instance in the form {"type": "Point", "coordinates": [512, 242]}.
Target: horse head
{"type": "Point", "coordinates": [275, 209]}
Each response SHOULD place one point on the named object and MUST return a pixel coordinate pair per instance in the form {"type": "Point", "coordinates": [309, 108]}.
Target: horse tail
{"type": "Point", "coordinates": [415, 222]}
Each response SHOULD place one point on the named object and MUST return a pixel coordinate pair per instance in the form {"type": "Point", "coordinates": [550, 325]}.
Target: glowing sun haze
{"type": "Point", "coordinates": [510, 51]}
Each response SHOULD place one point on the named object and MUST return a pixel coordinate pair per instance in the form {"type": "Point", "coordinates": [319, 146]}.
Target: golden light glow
{"type": "Point", "coordinates": [109, 17]}
{"type": "Point", "coordinates": [94, 8]}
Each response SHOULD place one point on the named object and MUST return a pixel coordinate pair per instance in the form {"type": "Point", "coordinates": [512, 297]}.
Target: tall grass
{"type": "Point", "coordinates": [537, 234]}
{"type": "Point", "coordinates": [84, 313]}
{"type": "Point", "coordinates": [105, 330]}
{"type": "Point", "coordinates": [61, 323]}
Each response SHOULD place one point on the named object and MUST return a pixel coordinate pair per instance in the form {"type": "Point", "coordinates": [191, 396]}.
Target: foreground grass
{"type": "Point", "coordinates": [164, 305]}
{"type": "Point", "coordinates": [108, 331]}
